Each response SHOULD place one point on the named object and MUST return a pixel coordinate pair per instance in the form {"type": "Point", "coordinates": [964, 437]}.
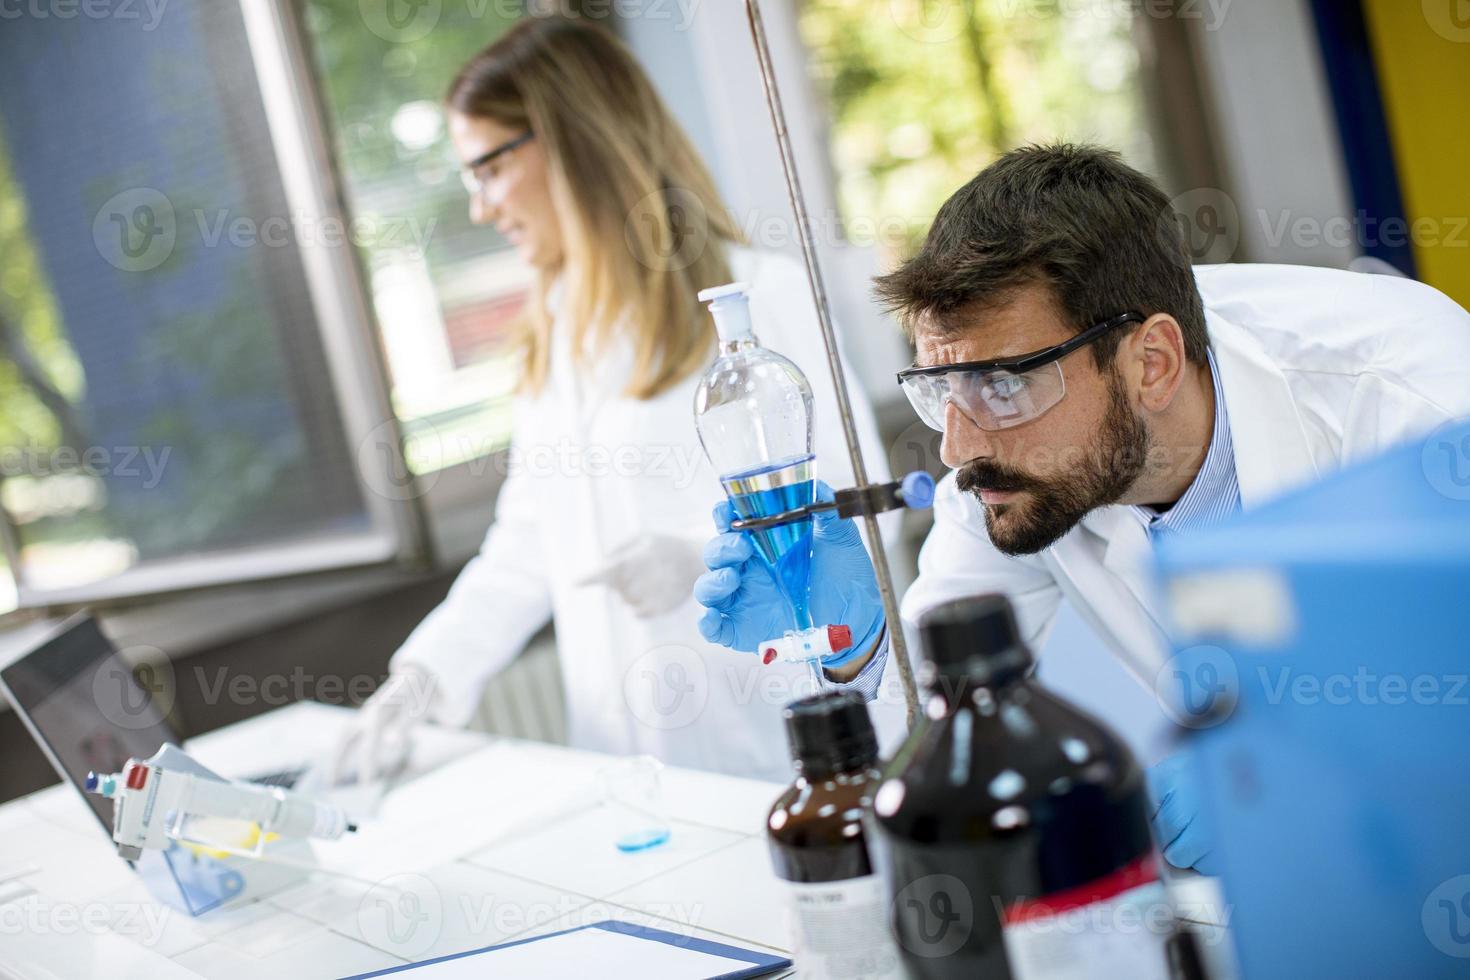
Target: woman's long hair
{"type": "Point", "coordinates": [643, 228]}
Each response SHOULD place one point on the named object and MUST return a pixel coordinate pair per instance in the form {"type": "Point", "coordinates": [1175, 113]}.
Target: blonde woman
{"type": "Point", "coordinates": [570, 154]}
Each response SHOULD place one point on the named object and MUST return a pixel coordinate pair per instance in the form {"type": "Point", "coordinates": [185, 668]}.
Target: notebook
{"type": "Point", "coordinates": [607, 950]}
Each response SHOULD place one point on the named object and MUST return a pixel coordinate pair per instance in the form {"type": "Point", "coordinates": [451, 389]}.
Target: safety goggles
{"type": "Point", "coordinates": [480, 170]}
{"type": "Point", "coordinates": [1001, 393]}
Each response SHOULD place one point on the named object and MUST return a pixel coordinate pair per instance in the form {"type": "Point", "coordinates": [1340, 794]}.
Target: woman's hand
{"type": "Point", "coordinates": [653, 573]}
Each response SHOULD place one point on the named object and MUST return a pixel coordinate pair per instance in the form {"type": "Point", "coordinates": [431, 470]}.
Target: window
{"type": "Point", "coordinates": [923, 93]}
{"type": "Point", "coordinates": [185, 394]}
{"type": "Point", "coordinates": [445, 291]}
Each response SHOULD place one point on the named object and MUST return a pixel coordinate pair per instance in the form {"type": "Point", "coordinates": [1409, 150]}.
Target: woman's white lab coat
{"type": "Point", "coordinates": [590, 469]}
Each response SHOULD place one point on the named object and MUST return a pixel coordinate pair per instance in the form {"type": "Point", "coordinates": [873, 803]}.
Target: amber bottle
{"type": "Point", "coordinates": [837, 905]}
{"type": "Point", "coordinates": [1013, 828]}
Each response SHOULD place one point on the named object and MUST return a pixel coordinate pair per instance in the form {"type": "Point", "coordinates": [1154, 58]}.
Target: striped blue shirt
{"type": "Point", "coordinates": [870, 678]}
{"type": "Point", "coordinates": [1215, 492]}
{"type": "Point", "coordinates": [1212, 496]}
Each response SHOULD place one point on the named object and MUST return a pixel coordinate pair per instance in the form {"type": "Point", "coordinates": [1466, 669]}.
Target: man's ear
{"type": "Point", "coordinates": [1154, 361]}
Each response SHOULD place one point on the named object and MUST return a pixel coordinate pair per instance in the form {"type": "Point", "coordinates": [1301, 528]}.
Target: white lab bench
{"type": "Point", "coordinates": [498, 839]}
{"type": "Point", "coordinates": [503, 840]}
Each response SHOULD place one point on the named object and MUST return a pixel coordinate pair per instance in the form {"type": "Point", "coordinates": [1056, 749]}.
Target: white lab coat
{"type": "Point", "coordinates": [1319, 368]}
{"type": "Point", "coordinates": [590, 469]}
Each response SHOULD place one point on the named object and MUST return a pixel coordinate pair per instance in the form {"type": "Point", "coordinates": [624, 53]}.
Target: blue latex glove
{"type": "Point", "coordinates": [1180, 826]}
{"type": "Point", "coordinates": [744, 606]}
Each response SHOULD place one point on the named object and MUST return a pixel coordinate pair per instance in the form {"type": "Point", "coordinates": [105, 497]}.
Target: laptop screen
{"type": "Point", "coordinates": [85, 706]}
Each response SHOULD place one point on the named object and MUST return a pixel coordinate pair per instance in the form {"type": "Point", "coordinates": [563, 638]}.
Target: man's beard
{"type": "Point", "coordinates": [1051, 508]}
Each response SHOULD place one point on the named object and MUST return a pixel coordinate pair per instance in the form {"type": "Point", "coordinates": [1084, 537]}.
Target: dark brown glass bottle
{"type": "Point", "coordinates": [837, 905]}
{"type": "Point", "coordinates": [1012, 828]}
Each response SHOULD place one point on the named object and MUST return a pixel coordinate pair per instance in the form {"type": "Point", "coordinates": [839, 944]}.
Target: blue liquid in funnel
{"type": "Point", "coordinates": [786, 551]}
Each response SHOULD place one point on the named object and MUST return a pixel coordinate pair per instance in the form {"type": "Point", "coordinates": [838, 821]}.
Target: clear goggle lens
{"type": "Point", "coordinates": [993, 400]}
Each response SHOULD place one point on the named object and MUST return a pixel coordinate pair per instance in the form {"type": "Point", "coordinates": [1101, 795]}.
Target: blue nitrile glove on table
{"type": "Point", "coordinates": [744, 606]}
{"type": "Point", "coordinates": [1180, 825]}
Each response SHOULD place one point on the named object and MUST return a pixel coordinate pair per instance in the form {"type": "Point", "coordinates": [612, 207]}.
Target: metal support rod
{"type": "Point", "coordinates": [10, 542]}
{"type": "Point", "coordinates": [897, 648]}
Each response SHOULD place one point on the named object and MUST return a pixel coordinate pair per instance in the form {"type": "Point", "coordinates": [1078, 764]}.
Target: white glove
{"type": "Point", "coordinates": [653, 573]}
{"type": "Point", "coordinates": [377, 739]}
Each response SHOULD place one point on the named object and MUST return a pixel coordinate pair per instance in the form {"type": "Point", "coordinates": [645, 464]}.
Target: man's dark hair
{"type": "Point", "coordinates": [1076, 219]}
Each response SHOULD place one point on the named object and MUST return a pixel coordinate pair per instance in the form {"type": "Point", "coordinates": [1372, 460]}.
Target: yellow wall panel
{"type": "Point", "coordinates": [1422, 53]}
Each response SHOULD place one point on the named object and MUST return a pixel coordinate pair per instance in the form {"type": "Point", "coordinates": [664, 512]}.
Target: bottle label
{"type": "Point", "coordinates": [838, 930]}
{"type": "Point", "coordinates": [1115, 926]}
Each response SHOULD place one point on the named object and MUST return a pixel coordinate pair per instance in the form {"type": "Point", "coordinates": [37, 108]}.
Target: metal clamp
{"type": "Point", "coordinates": [914, 490]}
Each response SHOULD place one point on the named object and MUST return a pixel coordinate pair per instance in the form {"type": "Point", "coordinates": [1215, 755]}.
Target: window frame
{"type": "Point", "coordinates": [398, 531]}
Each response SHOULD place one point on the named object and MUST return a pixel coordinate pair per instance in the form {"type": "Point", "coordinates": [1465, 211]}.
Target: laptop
{"type": "Point", "coordinates": [88, 711]}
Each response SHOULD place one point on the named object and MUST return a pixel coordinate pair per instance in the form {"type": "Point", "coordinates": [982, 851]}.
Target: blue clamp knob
{"type": "Point", "coordinates": [91, 783]}
{"type": "Point", "coordinates": [917, 489]}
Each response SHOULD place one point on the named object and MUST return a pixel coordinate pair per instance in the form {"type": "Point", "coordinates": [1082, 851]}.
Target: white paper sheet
{"type": "Point", "coordinates": [587, 953]}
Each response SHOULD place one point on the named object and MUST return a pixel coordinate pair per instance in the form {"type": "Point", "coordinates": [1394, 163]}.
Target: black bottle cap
{"type": "Point", "coordinates": [975, 638]}
{"type": "Point", "coordinates": [830, 733]}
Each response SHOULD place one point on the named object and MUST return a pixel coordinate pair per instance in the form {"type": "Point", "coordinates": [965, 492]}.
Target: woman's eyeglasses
{"type": "Point", "coordinates": [479, 171]}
